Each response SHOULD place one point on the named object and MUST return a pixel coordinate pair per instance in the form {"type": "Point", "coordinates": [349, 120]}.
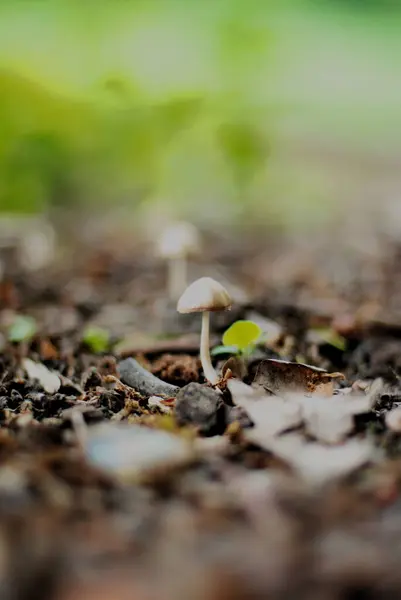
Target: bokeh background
{"type": "Point", "coordinates": [231, 113]}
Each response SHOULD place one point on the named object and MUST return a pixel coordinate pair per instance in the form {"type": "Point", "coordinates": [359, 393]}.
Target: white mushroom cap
{"type": "Point", "coordinates": [179, 239]}
{"type": "Point", "coordinates": [204, 294]}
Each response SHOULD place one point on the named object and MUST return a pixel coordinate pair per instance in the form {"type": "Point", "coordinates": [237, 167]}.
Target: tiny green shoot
{"type": "Point", "coordinates": [96, 339]}
{"type": "Point", "coordinates": [22, 329]}
{"type": "Point", "coordinates": [240, 339]}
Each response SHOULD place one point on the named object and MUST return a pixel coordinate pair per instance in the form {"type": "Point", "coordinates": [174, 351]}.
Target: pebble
{"type": "Point", "coordinates": [201, 406]}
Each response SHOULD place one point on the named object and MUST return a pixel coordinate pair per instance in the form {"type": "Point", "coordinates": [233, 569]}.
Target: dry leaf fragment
{"type": "Point", "coordinates": [49, 381]}
{"type": "Point", "coordinates": [393, 419]}
{"type": "Point", "coordinates": [329, 424]}
{"type": "Point", "coordinates": [284, 377]}
{"type": "Point", "coordinates": [270, 414]}
{"type": "Point", "coordinates": [237, 366]}
{"type": "Point", "coordinates": [158, 402]}
{"type": "Point", "coordinates": [316, 463]}
{"type": "Point", "coordinates": [330, 420]}
{"type": "Point", "coordinates": [347, 403]}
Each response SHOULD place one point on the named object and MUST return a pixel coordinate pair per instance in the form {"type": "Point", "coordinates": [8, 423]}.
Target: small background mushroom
{"type": "Point", "coordinates": [177, 243]}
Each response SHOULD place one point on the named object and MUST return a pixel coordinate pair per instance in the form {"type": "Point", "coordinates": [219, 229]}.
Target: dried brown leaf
{"type": "Point", "coordinates": [283, 377]}
{"type": "Point", "coordinates": [237, 366]}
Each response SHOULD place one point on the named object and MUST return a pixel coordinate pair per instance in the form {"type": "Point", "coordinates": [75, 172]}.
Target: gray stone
{"type": "Point", "coordinates": [201, 406]}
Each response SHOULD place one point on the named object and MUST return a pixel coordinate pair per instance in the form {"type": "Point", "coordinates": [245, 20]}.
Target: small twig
{"type": "Point", "coordinates": [144, 382]}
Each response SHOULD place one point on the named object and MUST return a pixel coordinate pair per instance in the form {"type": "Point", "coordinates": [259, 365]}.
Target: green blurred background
{"type": "Point", "coordinates": [221, 111]}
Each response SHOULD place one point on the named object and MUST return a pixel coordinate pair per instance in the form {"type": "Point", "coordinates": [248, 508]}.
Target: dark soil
{"type": "Point", "coordinates": [234, 522]}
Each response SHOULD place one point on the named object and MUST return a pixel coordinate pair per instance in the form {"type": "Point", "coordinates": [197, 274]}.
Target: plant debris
{"type": "Point", "coordinates": [283, 377]}
{"type": "Point", "coordinates": [49, 381]}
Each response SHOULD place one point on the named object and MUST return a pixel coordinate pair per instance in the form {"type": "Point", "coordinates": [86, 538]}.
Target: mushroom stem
{"type": "Point", "coordinates": [177, 276]}
{"type": "Point", "coordinates": [207, 366]}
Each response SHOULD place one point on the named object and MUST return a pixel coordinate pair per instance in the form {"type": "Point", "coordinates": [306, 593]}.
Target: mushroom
{"type": "Point", "coordinates": [205, 295]}
{"type": "Point", "coordinates": [38, 245]}
{"type": "Point", "coordinates": [178, 241]}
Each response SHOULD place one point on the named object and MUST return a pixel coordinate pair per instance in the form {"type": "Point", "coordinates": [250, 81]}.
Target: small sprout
{"type": "Point", "coordinates": [243, 334]}
{"type": "Point", "coordinates": [178, 241]}
{"type": "Point", "coordinates": [241, 339]}
{"type": "Point", "coordinates": [96, 339]}
{"type": "Point", "coordinates": [205, 295]}
{"type": "Point", "coordinates": [22, 329]}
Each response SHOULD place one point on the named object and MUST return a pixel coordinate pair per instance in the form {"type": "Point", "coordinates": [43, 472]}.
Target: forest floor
{"type": "Point", "coordinates": [283, 481]}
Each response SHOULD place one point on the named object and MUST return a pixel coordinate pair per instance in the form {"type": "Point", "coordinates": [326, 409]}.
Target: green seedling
{"type": "Point", "coordinates": [22, 329]}
{"type": "Point", "coordinates": [240, 339]}
{"type": "Point", "coordinates": [96, 339]}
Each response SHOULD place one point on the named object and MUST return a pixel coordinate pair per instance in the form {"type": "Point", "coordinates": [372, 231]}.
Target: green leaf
{"type": "Point", "coordinates": [22, 329]}
{"type": "Point", "coordinates": [224, 350]}
{"type": "Point", "coordinates": [242, 334]}
{"type": "Point", "coordinates": [96, 339]}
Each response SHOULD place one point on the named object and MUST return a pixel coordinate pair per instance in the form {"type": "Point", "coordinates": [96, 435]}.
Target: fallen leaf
{"type": "Point", "coordinates": [270, 414]}
{"type": "Point", "coordinates": [317, 463]}
{"type": "Point", "coordinates": [49, 381]}
{"type": "Point", "coordinates": [376, 389]}
{"type": "Point", "coordinates": [329, 423]}
{"type": "Point", "coordinates": [346, 403]}
{"type": "Point", "coordinates": [330, 420]}
{"type": "Point", "coordinates": [393, 419]}
{"type": "Point", "coordinates": [283, 377]}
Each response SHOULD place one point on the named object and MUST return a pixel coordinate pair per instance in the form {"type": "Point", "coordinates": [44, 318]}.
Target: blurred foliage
{"type": "Point", "coordinates": [96, 339]}
{"type": "Point", "coordinates": [22, 329]}
{"type": "Point", "coordinates": [122, 101]}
